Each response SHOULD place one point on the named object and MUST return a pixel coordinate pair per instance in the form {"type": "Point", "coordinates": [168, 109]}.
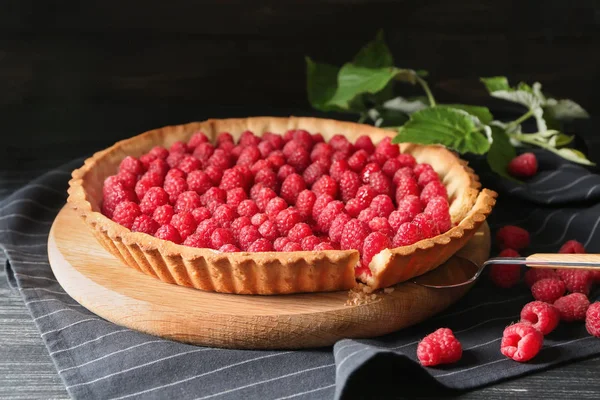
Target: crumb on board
{"type": "Point", "coordinates": [363, 294]}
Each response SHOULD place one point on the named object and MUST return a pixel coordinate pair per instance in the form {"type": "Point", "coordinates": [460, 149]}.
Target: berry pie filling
{"type": "Point", "coordinates": [290, 192]}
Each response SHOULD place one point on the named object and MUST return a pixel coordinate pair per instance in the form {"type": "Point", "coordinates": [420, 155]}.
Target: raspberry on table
{"type": "Point", "coordinates": [512, 237]}
{"type": "Point", "coordinates": [407, 234]}
{"type": "Point", "coordinates": [185, 223]}
{"type": "Point", "coordinates": [326, 217]}
{"type": "Point", "coordinates": [521, 342]}
{"type": "Point", "coordinates": [163, 214]}
{"type": "Point", "coordinates": [220, 237]}
{"type": "Point", "coordinates": [168, 232]}
{"type": "Point", "coordinates": [406, 186]}
{"type": "Point", "coordinates": [145, 224]}
{"type": "Point", "coordinates": [299, 232]}
{"type": "Point", "coordinates": [373, 244]}
{"type": "Point", "coordinates": [576, 280]}
{"type": "Point", "coordinates": [275, 206]}
{"type": "Point", "coordinates": [291, 188]}
{"type": "Point", "coordinates": [523, 166]}
{"type": "Point", "coordinates": [337, 226]}
{"type": "Point", "coordinates": [542, 316]}
{"type": "Point", "coordinates": [286, 219]}
{"type": "Point", "coordinates": [532, 275]}
{"type": "Point", "coordinates": [154, 198]}
{"type": "Point", "coordinates": [125, 213]}
{"type": "Point", "coordinates": [439, 347]}
{"type": "Point", "coordinates": [224, 215]}
{"type": "Point", "coordinates": [305, 202]}
{"type": "Point", "coordinates": [506, 275]}
{"type": "Point", "coordinates": [592, 319]}
{"type": "Point", "coordinates": [248, 235]}
{"type": "Point", "coordinates": [572, 247]}
{"type": "Point", "coordinates": [548, 290]}
{"type": "Point", "coordinates": [200, 214]}
{"type": "Point", "coordinates": [354, 235]}
{"type": "Point", "coordinates": [309, 242]}
{"type": "Point", "coordinates": [572, 307]}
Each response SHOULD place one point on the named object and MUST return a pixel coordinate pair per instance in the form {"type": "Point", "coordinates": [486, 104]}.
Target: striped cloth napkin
{"type": "Point", "coordinates": [100, 360]}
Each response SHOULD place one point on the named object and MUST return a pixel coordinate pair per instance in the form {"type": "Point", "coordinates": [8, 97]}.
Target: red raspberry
{"type": "Point", "coordinates": [411, 205]}
{"type": "Point", "coordinates": [267, 178]}
{"type": "Point", "coordinates": [542, 316]}
{"type": "Point", "coordinates": [378, 159]}
{"type": "Point", "coordinates": [290, 148]}
{"type": "Point", "coordinates": [145, 224]}
{"type": "Point", "coordinates": [387, 148]}
{"type": "Point", "coordinates": [340, 143]}
{"type": "Point", "coordinates": [159, 166]}
{"type": "Point", "coordinates": [260, 245]}
{"type": "Point", "coordinates": [349, 184]}
{"type": "Point", "coordinates": [354, 234]}
{"type": "Point", "coordinates": [369, 170]}
{"type": "Point", "coordinates": [291, 187]}
{"type": "Point", "coordinates": [367, 215]}
{"type": "Point", "coordinates": [292, 246]}
{"type": "Point", "coordinates": [221, 160]}
{"type": "Point", "coordinates": [229, 248]}
{"type": "Point", "coordinates": [404, 171]}
{"type": "Point", "coordinates": [299, 159]}
{"type": "Point", "coordinates": [439, 211]}
{"type": "Point", "coordinates": [175, 158]}
{"type": "Point", "coordinates": [572, 307]}
{"type": "Point", "coordinates": [576, 281]}
{"type": "Point", "coordinates": [285, 171]}
{"type": "Point", "coordinates": [276, 159]}
{"type": "Point", "coordinates": [249, 156]}
{"type": "Point", "coordinates": [521, 342]}
{"type": "Point", "coordinates": [406, 186]}
{"type": "Point", "coordinates": [523, 166]}
{"type": "Point", "coordinates": [265, 148]}
{"type": "Point", "coordinates": [383, 205]}
{"type": "Point", "coordinates": [303, 138]}
{"type": "Point", "coordinates": [317, 138]}
{"type": "Point", "coordinates": [163, 214]}
{"type": "Point", "coordinates": [185, 223]}
{"type": "Point", "coordinates": [320, 204]}
{"type": "Point", "coordinates": [407, 234]}
{"type": "Point", "coordinates": [189, 163]}
{"type": "Point", "coordinates": [247, 208]}
{"type": "Point", "coordinates": [132, 165]}
{"type": "Point", "coordinates": [286, 219]}
{"type": "Point", "coordinates": [187, 201]}
{"type": "Point", "coordinates": [309, 243]}
{"type": "Point", "coordinates": [260, 165]}
{"type": "Point", "coordinates": [592, 319]}
{"type": "Point", "coordinates": [354, 207]}
{"type": "Point", "coordinates": [407, 160]}
{"type": "Point", "coordinates": [548, 290]}
{"type": "Point", "coordinates": [146, 160]}
{"type": "Point", "coordinates": [224, 137]}
{"type": "Point", "coordinates": [248, 235]}
{"type": "Point", "coordinates": [397, 218]}
{"type": "Point", "coordinates": [168, 232]}
{"type": "Point", "coordinates": [159, 152]}
{"type": "Point", "coordinates": [326, 217]}
{"type": "Point", "coordinates": [179, 147]}
{"type": "Point", "coordinates": [247, 138]}
{"type": "Point", "coordinates": [439, 347]}
{"type": "Point", "coordinates": [275, 139]}
{"type": "Point", "coordinates": [512, 237]}
{"type": "Point", "coordinates": [374, 243]}
{"type": "Point", "coordinates": [313, 172]}
{"type": "Point", "coordinates": [196, 139]}
{"type": "Point", "coordinates": [532, 275]}
{"type": "Point", "coordinates": [572, 247]}
{"type": "Point", "coordinates": [420, 168]}
{"type": "Point", "coordinates": [299, 232]}
{"type": "Point", "coordinates": [239, 223]}
{"type": "Point", "coordinates": [220, 237]}
{"type": "Point", "coordinates": [232, 179]}
{"type": "Point", "coordinates": [235, 197]}
{"type": "Point", "coordinates": [200, 214]}
{"type": "Point", "coordinates": [323, 246]}
{"type": "Point", "coordinates": [275, 206]}
{"type": "Point", "coordinates": [175, 187]}
{"type": "Point", "coordinates": [113, 195]}
{"type": "Point", "coordinates": [428, 177]}
{"type": "Point", "coordinates": [125, 213]}
{"type": "Point", "coordinates": [325, 185]}
{"type": "Point", "coordinates": [280, 243]}
{"type": "Point", "coordinates": [338, 168]}
{"type": "Point", "coordinates": [358, 160]}
{"type": "Point", "coordinates": [224, 215]}
{"type": "Point", "coordinates": [203, 151]}
{"type": "Point", "coordinates": [433, 189]}
{"type": "Point", "coordinates": [206, 228]}
{"type": "Point", "coordinates": [337, 227]}
{"type": "Point", "coordinates": [365, 143]}
{"type": "Point", "coordinates": [198, 181]}
{"type": "Point", "coordinates": [321, 150]}
{"type": "Point", "coordinates": [154, 197]}
{"type": "Point", "coordinates": [381, 183]}
{"type": "Point", "coordinates": [196, 240]}
{"type": "Point", "coordinates": [258, 219]}
{"type": "Point", "coordinates": [506, 275]}
{"type": "Point", "coordinates": [129, 180]}
{"type": "Point", "coordinates": [305, 202]}
{"type": "Point", "coordinates": [214, 173]}
{"type": "Point", "coordinates": [268, 230]}
{"type": "Point", "coordinates": [212, 195]}
{"type": "Point", "coordinates": [391, 166]}
{"type": "Point", "coordinates": [427, 226]}
{"type": "Point", "coordinates": [380, 224]}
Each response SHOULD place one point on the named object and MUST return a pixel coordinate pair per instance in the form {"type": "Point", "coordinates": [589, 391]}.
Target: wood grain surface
{"type": "Point", "coordinates": [125, 296]}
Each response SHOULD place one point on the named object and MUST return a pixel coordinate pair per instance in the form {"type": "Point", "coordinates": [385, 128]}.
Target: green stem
{"type": "Point", "coordinates": [425, 87]}
{"type": "Point", "coordinates": [363, 118]}
{"type": "Point", "coordinates": [521, 119]}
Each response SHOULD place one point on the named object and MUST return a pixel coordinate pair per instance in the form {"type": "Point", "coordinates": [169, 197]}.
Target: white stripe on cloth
{"type": "Point", "coordinates": [46, 300]}
{"type": "Point", "coordinates": [541, 228]}
{"type": "Point", "coordinates": [38, 204]}
{"type": "Point", "coordinates": [560, 189]}
{"type": "Point", "coordinates": [55, 312]}
{"type": "Point", "coordinates": [11, 231]}
{"type": "Point", "coordinates": [45, 290]}
{"type": "Point", "coordinates": [306, 392]}
{"type": "Point", "coordinates": [593, 231]}
{"type": "Point", "coordinates": [90, 341]}
{"type": "Point", "coordinates": [36, 277]}
{"type": "Point", "coordinates": [72, 325]}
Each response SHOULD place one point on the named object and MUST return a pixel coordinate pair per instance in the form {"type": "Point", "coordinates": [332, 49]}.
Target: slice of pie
{"type": "Point", "coordinates": [278, 205]}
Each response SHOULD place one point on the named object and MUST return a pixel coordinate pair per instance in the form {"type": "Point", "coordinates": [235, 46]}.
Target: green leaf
{"type": "Point", "coordinates": [501, 153]}
{"type": "Point", "coordinates": [387, 117]}
{"type": "Point", "coordinates": [353, 81]}
{"type": "Point", "coordinates": [406, 106]}
{"type": "Point", "coordinates": [446, 126]}
{"type": "Point", "coordinates": [495, 83]}
{"type": "Point", "coordinates": [321, 84]}
{"type": "Point", "coordinates": [482, 113]}
{"type": "Point", "coordinates": [406, 75]}
{"type": "Point", "coordinates": [523, 97]}
{"type": "Point", "coordinates": [374, 54]}
{"type": "Point", "coordinates": [563, 140]}
{"type": "Point", "coordinates": [574, 155]}
{"type": "Point", "coordinates": [565, 110]}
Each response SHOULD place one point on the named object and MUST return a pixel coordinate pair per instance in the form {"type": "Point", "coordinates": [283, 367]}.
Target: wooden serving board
{"type": "Point", "coordinates": [129, 298]}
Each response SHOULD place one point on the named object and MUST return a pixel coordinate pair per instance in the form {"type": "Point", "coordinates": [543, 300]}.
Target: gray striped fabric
{"type": "Point", "coordinates": [97, 359]}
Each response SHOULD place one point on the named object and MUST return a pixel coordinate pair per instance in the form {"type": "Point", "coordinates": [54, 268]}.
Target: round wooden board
{"type": "Point", "coordinates": [129, 298]}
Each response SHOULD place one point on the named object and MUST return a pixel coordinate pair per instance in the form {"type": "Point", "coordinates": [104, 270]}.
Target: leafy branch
{"type": "Point", "coordinates": [366, 87]}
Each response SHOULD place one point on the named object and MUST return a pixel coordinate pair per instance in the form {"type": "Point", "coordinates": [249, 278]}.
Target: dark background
{"type": "Point", "coordinates": [76, 76]}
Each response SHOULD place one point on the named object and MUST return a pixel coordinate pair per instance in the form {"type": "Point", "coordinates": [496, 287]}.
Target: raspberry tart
{"type": "Point", "coordinates": [278, 205]}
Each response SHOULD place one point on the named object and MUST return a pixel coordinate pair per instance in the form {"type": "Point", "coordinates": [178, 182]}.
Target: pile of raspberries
{"type": "Point", "coordinates": [560, 295]}
{"type": "Point", "coordinates": [290, 192]}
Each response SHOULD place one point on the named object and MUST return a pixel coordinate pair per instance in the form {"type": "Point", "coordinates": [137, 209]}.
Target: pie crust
{"type": "Point", "coordinates": [276, 272]}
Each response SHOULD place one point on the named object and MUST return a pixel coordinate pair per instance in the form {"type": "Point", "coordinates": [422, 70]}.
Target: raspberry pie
{"type": "Point", "coordinates": [278, 205]}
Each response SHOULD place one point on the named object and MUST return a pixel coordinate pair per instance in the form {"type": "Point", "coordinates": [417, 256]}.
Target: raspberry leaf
{"type": "Point", "coordinates": [374, 54]}
{"type": "Point", "coordinates": [450, 127]}
{"type": "Point", "coordinates": [501, 152]}
{"type": "Point", "coordinates": [321, 84]}
{"type": "Point", "coordinates": [495, 83]}
{"type": "Point", "coordinates": [482, 113]}
{"type": "Point", "coordinates": [565, 109]}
